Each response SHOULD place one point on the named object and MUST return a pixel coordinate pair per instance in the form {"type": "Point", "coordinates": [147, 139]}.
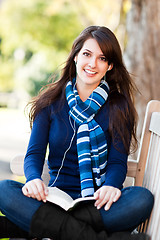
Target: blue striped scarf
{"type": "Point", "coordinates": [91, 142]}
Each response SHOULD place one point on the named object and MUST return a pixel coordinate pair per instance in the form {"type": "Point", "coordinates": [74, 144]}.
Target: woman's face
{"type": "Point", "coordinates": [91, 64]}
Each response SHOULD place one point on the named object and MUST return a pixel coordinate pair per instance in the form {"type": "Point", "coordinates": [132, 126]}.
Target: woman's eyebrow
{"type": "Point", "coordinates": [87, 50]}
{"type": "Point", "coordinates": [92, 52]}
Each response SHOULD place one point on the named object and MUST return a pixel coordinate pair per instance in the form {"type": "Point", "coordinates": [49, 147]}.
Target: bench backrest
{"type": "Point", "coordinates": [16, 166]}
{"type": "Point", "coordinates": [146, 170]}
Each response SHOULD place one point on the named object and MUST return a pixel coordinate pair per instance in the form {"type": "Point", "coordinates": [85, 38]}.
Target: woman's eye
{"type": "Point", "coordinates": [86, 54]}
{"type": "Point", "coordinates": [103, 59]}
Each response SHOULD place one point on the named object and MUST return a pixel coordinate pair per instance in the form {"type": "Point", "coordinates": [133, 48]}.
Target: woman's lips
{"type": "Point", "coordinates": [90, 72]}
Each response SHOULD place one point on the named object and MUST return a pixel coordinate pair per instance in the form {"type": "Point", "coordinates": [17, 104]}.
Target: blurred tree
{"type": "Point", "coordinates": [6, 75]}
{"type": "Point", "coordinates": [143, 51]}
{"type": "Point", "coordinates": [31, 27]}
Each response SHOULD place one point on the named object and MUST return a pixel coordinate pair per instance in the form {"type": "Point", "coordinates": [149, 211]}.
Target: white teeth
{"type": "Point", "coordinates": [90, 72]}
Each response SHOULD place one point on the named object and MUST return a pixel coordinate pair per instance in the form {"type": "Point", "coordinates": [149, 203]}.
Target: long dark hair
{"type": "Point", "coordinates": [123, 116]}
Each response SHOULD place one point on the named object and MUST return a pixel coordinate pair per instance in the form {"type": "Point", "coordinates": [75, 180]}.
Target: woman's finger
{"type": "Point", "coordinates": [25, 191]}
{"type": "Point", "coordinates": [106, 195]}
{"type": "Point", "coordinates": [41, 191]}
{"type": "Point", "coordinates": [35, 189]}
{"type": "Point", "coordinates": [108, 198]}
{"type": "Point", "coordinates": [117, 196]}
{"type": "Point", "coordinates": [99, 196]}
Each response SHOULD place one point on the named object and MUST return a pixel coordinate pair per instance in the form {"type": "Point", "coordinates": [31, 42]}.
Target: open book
{"type": "Point", "coordinates": [62, 199]}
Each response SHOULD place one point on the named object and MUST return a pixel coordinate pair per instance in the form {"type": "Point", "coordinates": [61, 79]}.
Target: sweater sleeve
{"type": "Point", "coordinates": [116, 166]}
{"type": "Point", "coordinates": [35, 156]}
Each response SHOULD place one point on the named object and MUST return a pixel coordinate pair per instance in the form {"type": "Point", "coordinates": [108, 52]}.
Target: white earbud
{"type": "Point", "coordinates": [109, 68]}
{"type": "Point", "coordinates": [75, 59]}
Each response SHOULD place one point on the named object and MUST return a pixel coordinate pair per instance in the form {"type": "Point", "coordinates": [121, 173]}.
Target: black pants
{"type": "Point", "coordinates": [83, 223]}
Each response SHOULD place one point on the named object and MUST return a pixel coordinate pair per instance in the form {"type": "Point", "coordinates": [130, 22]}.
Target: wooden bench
{"type": "Point", "coordinates": [145, 170]}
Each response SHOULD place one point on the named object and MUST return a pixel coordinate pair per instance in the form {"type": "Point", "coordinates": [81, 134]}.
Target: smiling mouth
{"type": "Point", "coordinates": [90, 72]}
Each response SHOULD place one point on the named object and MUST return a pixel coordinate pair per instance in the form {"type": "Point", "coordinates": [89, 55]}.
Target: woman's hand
{"type": "Point", "coordinates": [106, 195]}
{"type": "Point", "coordinates": [35, 189]}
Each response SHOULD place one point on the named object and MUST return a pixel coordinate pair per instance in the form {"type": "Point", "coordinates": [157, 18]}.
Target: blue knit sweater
{"type": "Point", "coordinates": [52, 127]}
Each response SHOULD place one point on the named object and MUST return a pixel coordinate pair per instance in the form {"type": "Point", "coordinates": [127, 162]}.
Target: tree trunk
{"type": "Point", "coordinates": [142, 56]}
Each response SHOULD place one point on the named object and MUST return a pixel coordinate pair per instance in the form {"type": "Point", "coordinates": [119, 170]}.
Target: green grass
{"type": "Point", "coordinates": [0, 236]}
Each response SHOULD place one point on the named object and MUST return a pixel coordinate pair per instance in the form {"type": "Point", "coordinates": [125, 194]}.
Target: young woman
{"type": "Point", "coordinates": [88, 120]}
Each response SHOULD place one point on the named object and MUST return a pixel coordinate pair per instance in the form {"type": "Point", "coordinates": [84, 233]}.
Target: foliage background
{"type": "Point", "coordinates": [36, 36]}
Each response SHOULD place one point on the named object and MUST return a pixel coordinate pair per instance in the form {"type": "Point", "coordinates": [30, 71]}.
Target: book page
{"type": "Point", "coordinates": [78, 200]}
{"type": "Point", "coordinates": [59, 197]}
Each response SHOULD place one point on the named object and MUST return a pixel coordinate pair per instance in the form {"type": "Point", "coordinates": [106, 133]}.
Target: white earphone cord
{"type": "Point", "coordinates": [74, 131]}
{"type": "Point", "coordinates": [65, 154]}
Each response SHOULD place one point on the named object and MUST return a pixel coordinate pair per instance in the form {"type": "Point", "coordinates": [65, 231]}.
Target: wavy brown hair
{"type": "Point", "coordinates": [123, 116]}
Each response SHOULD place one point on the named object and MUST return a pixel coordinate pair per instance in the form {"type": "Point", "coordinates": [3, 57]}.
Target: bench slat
{"type": "Point", "coordinates": [155, 123]}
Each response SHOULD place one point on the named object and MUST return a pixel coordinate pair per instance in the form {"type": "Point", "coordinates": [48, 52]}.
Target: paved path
{"type": "Point", "coordinates": [14, 136]}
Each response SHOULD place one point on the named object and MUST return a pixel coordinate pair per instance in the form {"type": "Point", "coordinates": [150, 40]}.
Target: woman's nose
{"type": "Point", "coordinates": [92, 62]}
